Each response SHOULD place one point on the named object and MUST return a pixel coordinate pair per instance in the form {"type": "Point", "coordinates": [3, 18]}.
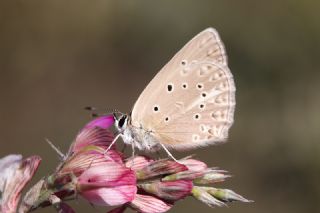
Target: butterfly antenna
{"type": "Point", "coordinates": [95, 112]}
{"type": "Point", "coordinates": [111, 110]}
{"type": "Point", "coordinates": [90, 108]}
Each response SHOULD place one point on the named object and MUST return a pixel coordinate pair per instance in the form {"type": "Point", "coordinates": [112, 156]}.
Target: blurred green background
{"type": "Point", "coordinates": [58, 56]}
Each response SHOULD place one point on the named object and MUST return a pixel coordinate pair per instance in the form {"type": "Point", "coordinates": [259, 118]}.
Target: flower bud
{"type": "Point", "coordinates": [227, 195]}
{"type": "Point", "coordinates": [212, 176]}
{"type": "Point", "coordinates": [202, 195]}
{"type": "Point", "coordinates": [173, 190]}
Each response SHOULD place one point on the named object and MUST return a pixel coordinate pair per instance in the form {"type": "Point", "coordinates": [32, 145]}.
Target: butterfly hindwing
{"type": "Point", "coordinates": [191, 101]}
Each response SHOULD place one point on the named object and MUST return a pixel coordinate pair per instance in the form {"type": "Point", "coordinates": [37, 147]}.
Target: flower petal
{"type": "Point", "coordinates": [92, 136]}
{"type": "Point", "coordinates": [103, 122]}
{"type": "Point", "coordinates": [149, 204]}
{"type": "Point", "coordinates": [13, 178]}
{"type": "Point", "coordinates": [110, 196]}
{"type": "Point", "coordinates": [108, 174]}
{"type": "Point", "coordinates": [108, 184]}
{"type": "Point", "coordinates": [194, 165]}
{"type": "Point", "coordinates": [174, 190]}
{"type": "Point", "coordinates": [84, 160]}
{"type": "Point", "coordinates": [160, 167]}
{"type": "Point", "coordinates": [8, 161]}
{"type": "Point", "coordinates": [138, 162]}
{"type": "Point", "coordinates": [195, 170]}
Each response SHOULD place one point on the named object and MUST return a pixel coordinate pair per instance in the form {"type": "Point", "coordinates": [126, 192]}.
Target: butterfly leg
{"type": "Point", "coordinates": [169, 153]}
{"type": "Point", "coordinates": [133, 149]}
{"type": "Point", "coordinates": [111, 144]}
{"type": "Point", "coordinates": [133, 152]}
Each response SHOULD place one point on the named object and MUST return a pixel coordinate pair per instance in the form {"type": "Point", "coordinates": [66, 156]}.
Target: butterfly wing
{"type": "Point", "coordinates": [191, 101]}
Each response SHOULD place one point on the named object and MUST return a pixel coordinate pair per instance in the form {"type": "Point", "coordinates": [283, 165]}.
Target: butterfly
{"type": "Point", "coordinates": [189, 103]}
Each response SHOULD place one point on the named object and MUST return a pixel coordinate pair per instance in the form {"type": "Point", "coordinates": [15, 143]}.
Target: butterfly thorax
{"type": "Point", "coordinates": [139, 136]}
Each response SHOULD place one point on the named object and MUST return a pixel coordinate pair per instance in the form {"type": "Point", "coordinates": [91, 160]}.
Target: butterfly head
{"type": "Point", "coordinates": [121, 120]}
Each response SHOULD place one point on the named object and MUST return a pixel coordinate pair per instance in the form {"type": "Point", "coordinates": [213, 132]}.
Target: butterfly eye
{"type": "Point", "coordinates": [122, 121]}
{"type": "Point", "coordinates": [204, 94]}
{"type": "Point", "coordinates": [167, 119]}
{"type": "Point", "coordinates": [201, 106]}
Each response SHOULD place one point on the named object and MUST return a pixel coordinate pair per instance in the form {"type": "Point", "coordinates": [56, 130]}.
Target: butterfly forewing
{"type": "Point", "coordinates": [190, 102]}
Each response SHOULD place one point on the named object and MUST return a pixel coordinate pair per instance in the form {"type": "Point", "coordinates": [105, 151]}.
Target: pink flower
{"type": "Point", "coordinates": [101, 178]}
{"type": "Point", "coordinates": [106, 180]}
{"type": "Point", "coordinates": [15, 173]}
{"type": "Point", "coordinates": [87, 161]}
{"type": "Point", "coordinates": [140, 183]}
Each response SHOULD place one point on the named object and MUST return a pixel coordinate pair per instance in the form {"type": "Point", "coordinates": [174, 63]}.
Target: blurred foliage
{"type": "Point", "coordinates": [58, 56]}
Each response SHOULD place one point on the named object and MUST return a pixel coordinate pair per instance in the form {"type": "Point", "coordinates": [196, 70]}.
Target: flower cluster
{"type": "Point", "coordinates": [110, 179]}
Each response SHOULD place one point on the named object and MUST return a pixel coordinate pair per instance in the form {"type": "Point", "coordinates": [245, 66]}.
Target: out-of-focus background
{"type": "Point", "coordinates": [58, 56]}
